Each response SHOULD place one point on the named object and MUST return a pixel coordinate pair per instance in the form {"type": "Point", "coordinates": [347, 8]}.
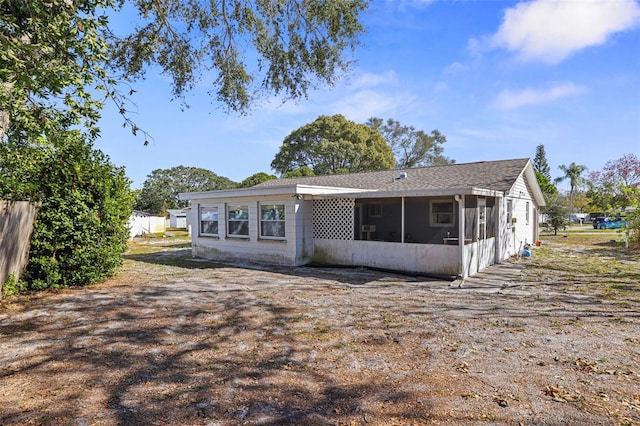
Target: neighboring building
{"type": "Point", "coordinates": [407, 220]}
{"type": "Point", "coordinates": [141, 223]}
{"type": "Point", "coordinates": [177, 219]}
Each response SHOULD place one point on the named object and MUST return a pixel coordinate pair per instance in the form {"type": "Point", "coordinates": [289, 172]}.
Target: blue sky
{"type": "Point", "coordinates": [497, 78]}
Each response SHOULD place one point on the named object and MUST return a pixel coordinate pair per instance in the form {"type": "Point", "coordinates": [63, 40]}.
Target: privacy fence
{"type": "Point", "coordinates": [16, 225]}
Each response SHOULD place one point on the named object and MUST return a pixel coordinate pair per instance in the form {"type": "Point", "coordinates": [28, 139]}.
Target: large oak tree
{"type": "Point", "coordinates": [62, 55]}
{"type": "Point", "coordinates": [333, 144]}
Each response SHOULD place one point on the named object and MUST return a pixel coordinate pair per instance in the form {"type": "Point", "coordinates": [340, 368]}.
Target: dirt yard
{"type": "Point", "coordinates": [549, 340]}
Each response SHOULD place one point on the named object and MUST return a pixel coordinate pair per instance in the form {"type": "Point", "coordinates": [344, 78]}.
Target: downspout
{"type": "Point", "coordinates": [462, 271]}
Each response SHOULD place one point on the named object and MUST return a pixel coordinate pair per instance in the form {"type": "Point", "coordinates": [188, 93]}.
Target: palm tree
{"type": "Point", "coordinates": [572, 173]}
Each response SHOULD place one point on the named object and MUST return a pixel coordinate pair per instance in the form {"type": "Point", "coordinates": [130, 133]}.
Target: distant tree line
{"type": "Point", "coordinates": [328, 145]}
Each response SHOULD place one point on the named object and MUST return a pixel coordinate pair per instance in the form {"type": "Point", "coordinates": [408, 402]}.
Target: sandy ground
{"type": "Point", "coordinates": [175, 340]}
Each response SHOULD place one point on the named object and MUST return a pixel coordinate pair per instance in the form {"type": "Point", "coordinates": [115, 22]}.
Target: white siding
{"type": "Point", "coordinates": [516, 234]}
{"type": "Point", "coordinates": [251, 248]}
{"type": "Point", "coordinates": [424, 258]}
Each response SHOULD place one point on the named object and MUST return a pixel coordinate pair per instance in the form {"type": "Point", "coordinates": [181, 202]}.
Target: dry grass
{"type": "Point", "coordinates": [552, 339]}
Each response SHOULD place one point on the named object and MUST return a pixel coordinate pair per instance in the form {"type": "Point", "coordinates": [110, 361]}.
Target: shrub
{"type": "Point", "coordinates": [80, 231]}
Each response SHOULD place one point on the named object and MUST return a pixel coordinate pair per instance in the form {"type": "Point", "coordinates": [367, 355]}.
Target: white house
{"type": "Point", "coordinates": [450, 220]}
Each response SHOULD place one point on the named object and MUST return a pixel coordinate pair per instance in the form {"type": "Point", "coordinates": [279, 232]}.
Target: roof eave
{"type": "Point", "coordinates": [264, 191]}
{"type": "Point", "coordinates": [434, 192]}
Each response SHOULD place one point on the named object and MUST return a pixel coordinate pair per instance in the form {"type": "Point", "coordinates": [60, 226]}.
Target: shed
{"type": "Point", "coordinates": [177, 218]}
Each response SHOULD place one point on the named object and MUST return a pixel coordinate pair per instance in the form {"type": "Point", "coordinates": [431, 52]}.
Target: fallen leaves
{"type": "Point", "coordinates": [560, 394]}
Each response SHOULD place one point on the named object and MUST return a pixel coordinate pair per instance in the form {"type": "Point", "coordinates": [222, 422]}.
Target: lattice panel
{"type": "Point", "coordinates": [333, 219]}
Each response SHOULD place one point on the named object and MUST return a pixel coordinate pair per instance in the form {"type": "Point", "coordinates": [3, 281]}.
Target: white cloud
{"type": "Point", "coordinates": [551, 30]}
{"type": "Point", "coordinates": [455, 68]}
{"type": "Point", "coordinates": [362, 105]}
{"type": "Point", "coordinates": [509, 99]}
{"type": "Point", "coordinates": [373, 80]}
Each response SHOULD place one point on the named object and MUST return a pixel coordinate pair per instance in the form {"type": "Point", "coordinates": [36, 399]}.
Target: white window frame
{"type": "Point", "coordinates": [482, 219]}
{"type": "Point", "coordinates": [234, 207]}
{"type": "Point", "coordinates": [526, 213]}
{"type": "Point", "coordinates": [433, 216]}
{"type": "Point", "coordinates": [200, 221]}
{"type": "Point", "coordinates": [262, 220]}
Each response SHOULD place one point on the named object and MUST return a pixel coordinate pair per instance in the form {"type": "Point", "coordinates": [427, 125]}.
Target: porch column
{"type": "Point", "coordinates": [402, 223]}
{"type": "Point", "coordinates": [462, 268]}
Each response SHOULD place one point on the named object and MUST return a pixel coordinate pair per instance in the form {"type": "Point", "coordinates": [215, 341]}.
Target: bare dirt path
{"type": "Point", "coordinates": [550, 340]}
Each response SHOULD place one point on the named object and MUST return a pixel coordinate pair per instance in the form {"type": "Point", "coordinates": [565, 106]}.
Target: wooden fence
{"type": "Point", "coordinates": [16, 225]}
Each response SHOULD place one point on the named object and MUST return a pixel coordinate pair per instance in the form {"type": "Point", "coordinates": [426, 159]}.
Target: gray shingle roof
{"type": "Point", "coordinates": [493, 175]}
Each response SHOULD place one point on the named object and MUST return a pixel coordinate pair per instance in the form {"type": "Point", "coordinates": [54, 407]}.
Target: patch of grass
{"type": "Point", "coordinates": [321, 328]}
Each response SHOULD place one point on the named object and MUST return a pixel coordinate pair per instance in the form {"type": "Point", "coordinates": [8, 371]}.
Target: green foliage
{"type": "Point", "coordinates": [572, 173]}
{"type": "Point", "coordinates": [616, 187]}
{"type": "Point", "coordinates": [540, 164]}
{"type": "Point", "coordinates": [333, 144]}
{"type": "Point", "coordinates": [52, 57]}
{"type": "Point", "coordinates": [13, 286]}
{"type": "Point", "coordinates": [256, 178]}
{"type": "Point", "coordinates": [294, 45]}
{"type": "Point", "coordinates": [612, 187]}
{"type": "Point", "coordinates": [59, 59]}
{"type": "Point", "coordinates": [557, 212]}
{"type": "Point", "coordinates": [303, 171]}
{"type": "Point", "coordinates": [411, 147]}
{"type": "Point", "coordinates": [545, 184]}
{"type": "Point", "coordinates": [80, 231]}
{"type": "Point", "coordinates": [160, 191]}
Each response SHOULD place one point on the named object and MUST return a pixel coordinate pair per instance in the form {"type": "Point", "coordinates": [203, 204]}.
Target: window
{"type": "Point", "coordinates": [527, 213]}
{"type": "Point", "coordinates": [509, 212]}
{"type": "Point", "coordinates": [375, 210]}
{"type": "Point", "coordinates": [442, 213]}
{"type": "Point", "coordinates": [482, 218]}
{"type": "Point", "coordinates": [272, 221]}
{"type": "Point", "coordinates": [237, 220]}
{"type": "Point", "coordinates": [208, 220]}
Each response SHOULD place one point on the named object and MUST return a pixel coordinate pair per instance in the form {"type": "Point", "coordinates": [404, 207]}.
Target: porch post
{"type": "Point", "coordinates": [463, 271]}
{"type": "Point", "coordinates": [402, 222]}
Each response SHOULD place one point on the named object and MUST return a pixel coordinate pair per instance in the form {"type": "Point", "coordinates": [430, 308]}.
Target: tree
{"type": "Point", "coordinates": [572, 173]}
{"type": "Point", "coordinates": [333, 144]}
{"type": "Point", "coordinates": [540, 164]}
{"type": "Point", "coordinates": [608, 187]}
{"type": "Point", "coordinates": [52, 53]}
{"type": "Point", "coordinates": [303, 171]}
{"type": "Point", "coordinates": [256, 178]}
{"type": "Point", "coordinates": [617, 186]}
{"type": "Point", "coordinates": [81, 231]}
{"type": "Point", "coordinates": [56, 53]}
{"type": "Point", "coordinates": [543, 173]}
{"type": "Point", "coordinates": [545, 184]}
{"type": "Point", "coordinates": [556, 211]}
{"type": "Point", "coordinates": [411, 147]}
{"type": "Point", "coordinates": [160, 191]}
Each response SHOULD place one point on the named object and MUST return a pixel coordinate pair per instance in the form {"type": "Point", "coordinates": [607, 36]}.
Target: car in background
{"type": "Point", "coordinates": [610, 223]}
{"type": "Point", "coordinates": [596, 221]}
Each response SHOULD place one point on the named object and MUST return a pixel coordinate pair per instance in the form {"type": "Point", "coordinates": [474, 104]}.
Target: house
{"type": "Point", "coordinates": [450, 220]}
{"type": "Point", "coordinates": [177, 218]}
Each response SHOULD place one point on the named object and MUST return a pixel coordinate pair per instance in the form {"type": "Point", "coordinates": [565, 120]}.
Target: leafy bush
{"type": "Point", "coordinates": [80, 231]}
